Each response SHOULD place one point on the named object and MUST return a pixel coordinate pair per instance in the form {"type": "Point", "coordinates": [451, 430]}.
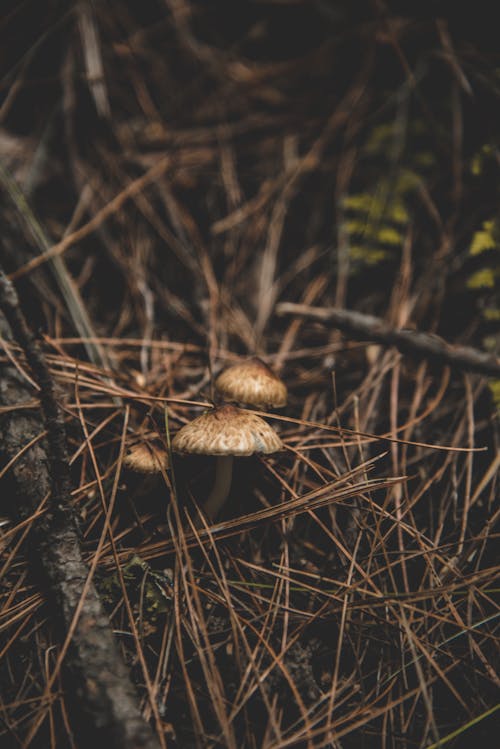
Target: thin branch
{"type": "Point", "coordinates": [370, 328]}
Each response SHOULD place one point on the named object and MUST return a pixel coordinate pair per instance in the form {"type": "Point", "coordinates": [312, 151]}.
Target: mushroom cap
{"type": "Point", "coordinates": [145, 458]}
{"type": "Point", "coordinates": [227, 430]}
{"type": "Point", "coordinates": [252, 383]}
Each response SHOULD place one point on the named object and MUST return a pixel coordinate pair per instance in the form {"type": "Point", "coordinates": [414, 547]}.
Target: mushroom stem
{"type": "Point", "coordinates": [222, 484]}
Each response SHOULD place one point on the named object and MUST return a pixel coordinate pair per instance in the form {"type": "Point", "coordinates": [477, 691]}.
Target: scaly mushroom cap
{"type": "Point", "coordinates": [227, 430]}
{"type": "Point", "coordinates": [143, 458]}
{"type": "Point", "coordinates": [252, 383]}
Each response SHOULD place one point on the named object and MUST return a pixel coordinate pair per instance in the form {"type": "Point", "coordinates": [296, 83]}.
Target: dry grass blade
{"type": "Point", "coordinates": [69, 290]}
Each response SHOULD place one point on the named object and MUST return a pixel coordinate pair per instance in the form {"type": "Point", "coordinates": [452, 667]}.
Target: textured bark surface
{"type": "Point", "coordinates": [104, 701]}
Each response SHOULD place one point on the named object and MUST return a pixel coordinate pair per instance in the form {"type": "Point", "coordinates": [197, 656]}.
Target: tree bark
{"type": "Point", "coordinates": [102, 697]}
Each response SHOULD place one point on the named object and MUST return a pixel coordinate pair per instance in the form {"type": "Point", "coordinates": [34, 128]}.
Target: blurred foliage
{"type": "Point", "coordinates": [399, 158]}
{"type": "Point", "coordinates": [485, 248]}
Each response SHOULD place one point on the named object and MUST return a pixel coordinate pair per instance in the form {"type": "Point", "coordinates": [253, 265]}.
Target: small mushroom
{"type": "Point", "coordinates": [144, 464]}
{"type": "Point", "coordinates": [252, 383]}
{"type": "Point", "coordinates": [145, 458]}
{"type": "Point", "coordinates": [226, 432]}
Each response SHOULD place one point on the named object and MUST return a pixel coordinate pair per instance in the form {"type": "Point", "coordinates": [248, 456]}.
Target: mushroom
{"type": "Point", "coordinates": [226, 431]}
{"type": "Point", "coordinates": [144, 464]}
{"type": "Point", "coordinates": [252, 383]}
{"type": "Point", "coordinates": [145, 458]}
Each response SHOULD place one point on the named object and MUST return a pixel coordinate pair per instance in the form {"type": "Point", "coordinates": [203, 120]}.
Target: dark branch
{"type": "Point", "coordinates": [369, 328]}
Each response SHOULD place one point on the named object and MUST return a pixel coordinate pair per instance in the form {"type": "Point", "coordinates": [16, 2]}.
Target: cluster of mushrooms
{"type": "Point", "coordinates": [225, 431]}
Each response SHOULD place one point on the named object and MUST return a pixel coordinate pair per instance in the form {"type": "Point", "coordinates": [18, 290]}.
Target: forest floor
{"type": "Point", "coordinates": [171, 174]}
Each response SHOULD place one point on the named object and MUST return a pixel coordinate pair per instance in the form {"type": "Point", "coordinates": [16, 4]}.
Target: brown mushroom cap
{"type": "Point", "coordinates": [252, 383]}
{"type": "Point", "coordinates": [145, 458]}
{"type": "Point", "coordinates": [227, 430]}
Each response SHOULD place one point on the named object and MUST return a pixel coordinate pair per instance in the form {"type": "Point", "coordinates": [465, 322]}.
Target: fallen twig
{"type": "Point", "coordinates": [424, 345]}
